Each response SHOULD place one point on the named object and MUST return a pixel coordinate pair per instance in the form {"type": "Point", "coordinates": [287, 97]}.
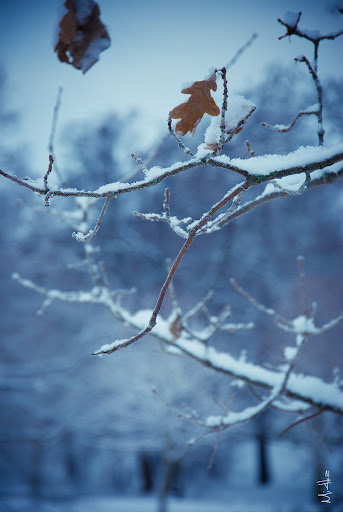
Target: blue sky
{"type": "Point", "coordinates": [156, 47]}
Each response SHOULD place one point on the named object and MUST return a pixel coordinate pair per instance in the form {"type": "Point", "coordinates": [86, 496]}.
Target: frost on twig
{"type": "Point", "coordinates": [177, 138]}
{"type": "Point", "coordinates": [173, 221]}
{"type": "Point", "coordinates": [302, 327]}
{"type": "Point", "coordinates": [281, 128]}
{"type": "Point", "coordinates": [236, 110]}
{"type": "Point", "coordinates": [140, 162]}
{"type": "Point", "coordinates": [289, 391]}
{"type": "Point", "coordinates": [81, 237]}
{"type": "Point", "coordinates": [215, 323]}
{"type": "Point", "coordinates": [291, 21]}
{"type": "Point", "coordinates": [223, 137]}
{"type": "Point", "coordinates": [193, 332]}
{"type": "Point", "coordinates": [46, 175]}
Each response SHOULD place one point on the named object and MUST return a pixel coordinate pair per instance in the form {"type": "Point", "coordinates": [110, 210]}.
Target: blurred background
{"type": "Point", "coordinates": [73, 425]}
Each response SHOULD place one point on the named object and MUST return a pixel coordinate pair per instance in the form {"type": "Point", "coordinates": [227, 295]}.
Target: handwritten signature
{"type": "Point", "coordinates": [325, 489]}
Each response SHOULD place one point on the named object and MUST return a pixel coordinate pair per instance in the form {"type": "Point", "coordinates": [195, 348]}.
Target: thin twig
{"type": "Point", "coordinates": [268, 311]}
{"type": "Point", "coordinates": [177, 138]}
{"type": "Point", "coordinates": [315, 77]}
{"type": "Point", "coordinates": [80, 237]}
{"type": "Point", "coordinates": [282, 128]}
{"type": "Point", "coordinates": [240, 51]}
{"type": "Point", "coordinates": [46, 175]}
{"type": "Point", "coordinates": [150, 157]}
{"type": "Point", "coordinates": [192, 234]}
{"type": "Point", "coordinates": [140, 162]}
{"type": "Point", "coordinates": [223, 135]}
{"type": "Point", "coordinates": [53, 131]}
{"type": "Point", "coordinates": [250, 150]}
{"type": "Point", "coordinates": [301, 270]}
{"type": "Point", "coordinates": [300, 421]}
{"type": "Point", "coordinates": [166, 202]}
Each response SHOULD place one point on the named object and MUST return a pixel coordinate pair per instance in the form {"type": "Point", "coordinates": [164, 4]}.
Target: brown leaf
{"type": "Point", "coordinates": [199, 103]}
{"type": "Point", "coordinates": [176, 327]}
{"type": "Point", "coordinates": [82, 36]}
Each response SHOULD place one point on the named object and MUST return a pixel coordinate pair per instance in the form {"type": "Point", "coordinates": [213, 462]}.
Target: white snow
{"type": "Point", "coordinates": [238, 109]}
{"type": "Point", "coordinates": [312, 108]}
{"type": "Point", "coordinates": [92, 54]}
{"type": "Point", "coordinates": [302, 324]}
{"type": "Point", "coordinates": [267, 164]}
{"type": "Point", "coordinates": [291, 184]}
{"type": "Point", "coordinates": [203, 150]}
{"type": "Point", "coordinates": [242, 498]}
{"type": "Point", "coordinates": [289, 353]}
{"type": "Point", "coordinates": [110, 187]}
{"type": "Point", "coordinates": [83, 9]}
{"type": "Point", "coordinates": [316, 388]}
{"type": "Point", "coordinates": [291, 18]}
{"type": "Point", "coordinates": [312, 34]}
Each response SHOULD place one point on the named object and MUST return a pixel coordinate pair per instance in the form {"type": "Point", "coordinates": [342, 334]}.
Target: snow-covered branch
{"type": "Point", "coordinates": [281, 128]}
{"type": "Point", "coordinates": [173, 221]}
{"type": "Point", "coordinates": [291, 21]}
{"type": "Point", "coordinates": [256, 170]}
{"type": "Point", "coordinates": [309, 390]}
{"type": "Point", "coordinates": [269, 176]}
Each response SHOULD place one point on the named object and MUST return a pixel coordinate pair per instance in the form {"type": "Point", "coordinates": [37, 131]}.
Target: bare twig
{"type": "Point", "coordinates": [278, 319]}
{"type": "Point", "coordinates": [301, 270]}
{"type": "Point", "coordinates": [54, 119]}
{"type": "Point", "coordinates": [300, 421]}
{"type": "Point", "coordinates": [177, 138]}
{"type": "Point", "coordinates": [108, 349]}
{"type": "Point", "coordinates": [240, 51]}
{"type": "Point", "coordinates": [283, 128]}
{"type": "Point", "coordinates": [250, 150]}
{"type": "Point", "coordinates": [53, 132]}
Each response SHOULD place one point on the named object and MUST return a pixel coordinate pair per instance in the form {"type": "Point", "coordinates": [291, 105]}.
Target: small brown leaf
{"type": "Point", "coordinates": [82, 36]}
{"type": "Point", "coordinates": [199, 103]}
{"type": "Point", "coordinates": [176, 327]}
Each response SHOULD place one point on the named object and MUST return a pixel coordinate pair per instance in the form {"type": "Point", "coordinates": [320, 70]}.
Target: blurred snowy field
{"type": "Point", "coordinates": [246, 502]}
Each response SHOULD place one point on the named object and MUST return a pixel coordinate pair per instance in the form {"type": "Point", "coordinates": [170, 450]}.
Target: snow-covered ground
{"type": "Point", "coordinates": [256, 502]}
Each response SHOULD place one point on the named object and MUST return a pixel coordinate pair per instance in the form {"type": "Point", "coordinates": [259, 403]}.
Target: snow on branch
{"type": "Point", "coordinates": [283, 175]}
{"type": "Point", "coordinates": [80, 237]}
{"type": "Point", "coordinates": [291, 21]}
{"type": "Point", "coordinates": [173, 221]}
{"type": "Point", "coordinates": [288, 391]}
{"type": "Point", "coordinates": [308, 390]}
{"type": "Point", "coordinates": [256, 170]}
{"type": "Point", "coordinates": [281, 128]}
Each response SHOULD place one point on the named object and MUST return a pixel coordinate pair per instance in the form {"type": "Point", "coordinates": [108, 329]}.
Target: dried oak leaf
{"type": "Point", "coordinates": [176, 327]}
{"type": "Point", "coordinates": [199, 103]}
{"type": "Point", "coordinates": [82, 36]}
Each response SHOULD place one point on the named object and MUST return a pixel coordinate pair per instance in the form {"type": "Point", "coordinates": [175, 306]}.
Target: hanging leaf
{"type": "Point", "coordinates": [199, 103]}
{"type": "Point", "coordinates": [82, 35]}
